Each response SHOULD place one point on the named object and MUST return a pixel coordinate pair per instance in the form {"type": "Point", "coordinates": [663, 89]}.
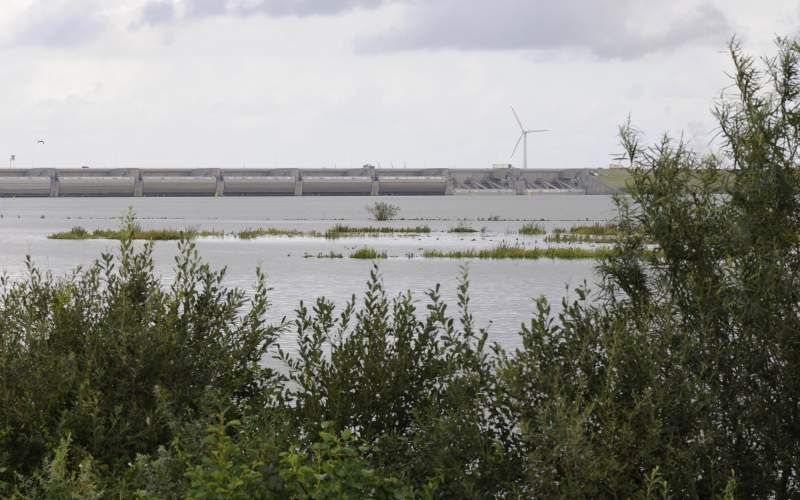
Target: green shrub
{"type": "Point", "coordinates": [111, 358]}
{"type": "Point", "coordinates": [381, 210]}
{"type": "Point", "coordinates": [419, 388]}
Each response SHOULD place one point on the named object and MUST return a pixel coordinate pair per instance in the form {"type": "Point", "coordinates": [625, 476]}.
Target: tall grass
{"type": "Point", "coordinates": [595, 229]}
{"type": "Point", "coordinates": [136, 233]}
{"type": "Point", "coordinates": [340, 230]}
{"type": "Point", "coordinates": [368, 253]}
{"type": "Point", "coordinates": [513, 252]}
{"type": "Point", "coordinates": [250, 233]}
{"type": "Point", "coordinates": [462, 228]}
{"type": "Point", "coordinates": [562, 237]}
{"type": "Point", "coordinates": [532, 228]}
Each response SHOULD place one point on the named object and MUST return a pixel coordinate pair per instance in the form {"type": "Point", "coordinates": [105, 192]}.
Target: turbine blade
{"type": "Point", "coordinates": [517, 144]}
{"type": "Point", "coordinates": [517, 117]}
{"type": "Point", "coordinates": [537, 130]}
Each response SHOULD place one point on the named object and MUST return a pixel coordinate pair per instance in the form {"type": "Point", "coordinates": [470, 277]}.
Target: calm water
{"type": "Point", "coordinates": [502, 292]}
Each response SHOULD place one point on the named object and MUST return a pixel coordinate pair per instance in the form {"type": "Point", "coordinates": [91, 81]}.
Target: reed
{"type": "Point", "coordinates": [252, 233]}
{"type": "Point", "coordinates": [532, 228]}
{"type": "Point", "coordinates": [461, 228]}
{"type": "Point", "coordinates": [513, 252]}
{"type": "Point", "coordinates": [595, 229]}
{"type": "Point", "coordinates": [562, 237]}
{"type": "Point", "coordinates": [340, 230]}
{"type": "Point", "coordinates": [137, 233]}
{"type": "Point", "coordinates": [367, 253]}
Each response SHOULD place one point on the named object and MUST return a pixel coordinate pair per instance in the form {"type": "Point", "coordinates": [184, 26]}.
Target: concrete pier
{"type": "Point", "coordinates": [365, 181]}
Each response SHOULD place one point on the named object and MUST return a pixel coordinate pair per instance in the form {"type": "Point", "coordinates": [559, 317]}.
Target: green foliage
{"type": "Point", "coordinates": [336, 468]}
{"type": "Point", "coordinates": [680, 378]}
{"type": "Point", "coordinates": [111, 358]}
{"type": "Point", "coordinates": [222, 472]}
{"type": "Point", "coordinates": [61, 479]}
{"type": "Point", "coordinates": [381, 210]}
{"type": "Point", "coordinates": [419, 389]}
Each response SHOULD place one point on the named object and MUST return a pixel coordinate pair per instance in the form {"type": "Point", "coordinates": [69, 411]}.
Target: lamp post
{"type": "Point", "coordinates": [11, 160]}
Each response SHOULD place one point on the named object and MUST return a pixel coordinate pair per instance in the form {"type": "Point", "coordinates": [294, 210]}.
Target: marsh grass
{"type": "Point", "coordinates": [513, 252]}
{"type": "Point", "coordinates": [252, 233]}
{"type": "Point", "coordinates": [320, 255]}
{"type": "Point", "coordinates": [340, 230]}
{"type": "Point", "coordinates": [462, 228]}
{"type": "Point", "coordinates": [368, 253]}
{"type": "Point", "coordinates": [595, 229]}
{"type": "Point", "coordinates": [532, 228]}
{"type": "Point", "coordinates": [136, 233]}
{"type": "Point", "coordinates": [563, 237]}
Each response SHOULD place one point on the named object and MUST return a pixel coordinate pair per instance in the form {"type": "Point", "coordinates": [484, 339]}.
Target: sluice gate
{"type": "Point", "coordinates": [366, 181]}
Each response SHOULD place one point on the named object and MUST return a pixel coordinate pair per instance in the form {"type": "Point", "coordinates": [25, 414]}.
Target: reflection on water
{"type": "Point", "coordinates": [502, 292]}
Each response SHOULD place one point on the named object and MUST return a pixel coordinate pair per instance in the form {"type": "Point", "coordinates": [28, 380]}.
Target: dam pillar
{"type": "Point", "coordinates": [54, 183]}
{"type": "Point", "coordinates": [298, 183]}
{"type": "Point", "coordinates": [137, 183]}
{"type": "Point", "coordinates": [375, 188]}
{"type": "Point", "coordinates": [220, 190]}
{"type": "Point", "coordinates": [450, 183]}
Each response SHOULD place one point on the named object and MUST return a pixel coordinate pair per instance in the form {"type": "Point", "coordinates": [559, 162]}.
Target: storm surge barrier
{"type": "Point", "coordinates": [366, 181]}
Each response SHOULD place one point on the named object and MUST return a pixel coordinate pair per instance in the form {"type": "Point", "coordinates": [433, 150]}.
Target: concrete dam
{"type": "Point", "coordinates": [366, 181]}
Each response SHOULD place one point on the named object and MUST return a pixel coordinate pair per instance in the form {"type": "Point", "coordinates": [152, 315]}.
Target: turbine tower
{"type": "Point", "coordinates": [523, 137]}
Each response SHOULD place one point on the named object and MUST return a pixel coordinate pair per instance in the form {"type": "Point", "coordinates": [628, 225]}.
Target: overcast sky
{"type": "Point", "coordinates": [422, 83]}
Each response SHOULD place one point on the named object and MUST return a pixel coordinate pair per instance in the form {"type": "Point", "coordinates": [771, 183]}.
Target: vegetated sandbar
{"type": "Point", "coordinates": [338, 231]}
{"type": "Point", "coordinates": [512, 252]}
{"type": "Point", "coordinates": [78, 233]}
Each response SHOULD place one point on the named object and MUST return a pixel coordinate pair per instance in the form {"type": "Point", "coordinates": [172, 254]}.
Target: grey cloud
{"type": "Point", "coordinates": [603, 27]}
{"type": "Point", "coordinates": [58, 25]}
{"type": "Point", "coordinates": [159, 11]}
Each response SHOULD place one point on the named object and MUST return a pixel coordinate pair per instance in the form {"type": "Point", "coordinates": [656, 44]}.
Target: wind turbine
{"type": "Point", "coordinates": [524, 139]}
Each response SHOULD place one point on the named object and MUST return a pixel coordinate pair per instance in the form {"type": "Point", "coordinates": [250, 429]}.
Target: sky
{"type": "Point", "coordinates": [342, 83]}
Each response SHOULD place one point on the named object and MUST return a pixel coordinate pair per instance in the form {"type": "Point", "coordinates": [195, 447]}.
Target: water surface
{"type": "Point", "coordinates": [502, 291]}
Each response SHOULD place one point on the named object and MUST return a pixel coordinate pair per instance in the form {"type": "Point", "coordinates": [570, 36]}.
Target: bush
{"type": "Point", "coordinates": [686, 365]}
{"type": "Point", "coordinates": [110, 358]}
{"type": "Point", "coordinates": [381, 210]}
{"type": "Point", "coordinates": [420, 389]}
